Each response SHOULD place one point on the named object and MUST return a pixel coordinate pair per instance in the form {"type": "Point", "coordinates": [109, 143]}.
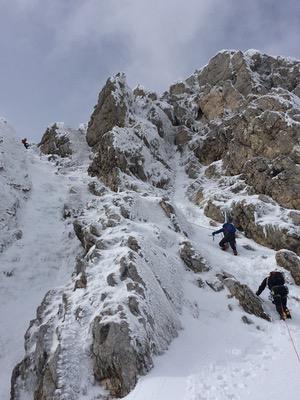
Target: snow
{"type": "Point", "coordinates": [42, 259]}
{"type": "Point", "coordinates": [252, 52]}
{"type": "Point", "coordinates": [215, 356]}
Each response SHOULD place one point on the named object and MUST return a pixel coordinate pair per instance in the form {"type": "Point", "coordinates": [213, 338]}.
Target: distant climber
{"type": "Point", "coordinates": [25, 143]}
{"type": "Point", "coordinates": [276, 283]}
{"type": "Point", "coordinates": [228, 230]}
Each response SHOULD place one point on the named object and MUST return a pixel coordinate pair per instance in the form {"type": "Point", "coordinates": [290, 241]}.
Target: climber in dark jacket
{"type": "Point", "coordinates": [228, 230]}
{"type": "Point", "coordinates": [276, 283]}
{"type": "Point", "coordinates": [25, 143]}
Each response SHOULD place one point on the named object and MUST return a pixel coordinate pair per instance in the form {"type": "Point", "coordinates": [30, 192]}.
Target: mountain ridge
{"type": "Point", "coordinates": [155, 165]}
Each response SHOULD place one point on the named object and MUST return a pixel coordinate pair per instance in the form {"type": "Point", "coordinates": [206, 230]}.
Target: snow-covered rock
{"type": "Point", "coordinates": [245, 296]}
{"type": "Point", "coordinates": [130, 141]}
{"type": "Point", "coordinates": [291, 262]}
{"type": "Point", "coordinates": [145, 262]}
{"type": "Point", "coordinates": [243, 112]}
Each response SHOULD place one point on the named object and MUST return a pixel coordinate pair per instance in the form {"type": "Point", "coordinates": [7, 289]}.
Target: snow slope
{"type": "Point", "coordinates": [217, 356]}
{"type": "Point", "coordinates": [44, 257]}
{"type": "Point", "coordinates": [14, 184]}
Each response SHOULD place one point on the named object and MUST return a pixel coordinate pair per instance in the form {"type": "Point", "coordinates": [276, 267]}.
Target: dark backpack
{"type": "Point", "coordinates": [229, 228]}
{"type": "Point", "coordinates": [281, 291]}
{"type": "Point", "coordinates": [276, 278]}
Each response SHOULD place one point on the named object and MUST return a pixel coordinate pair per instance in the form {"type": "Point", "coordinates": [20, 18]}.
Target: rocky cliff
{"type": "Point", "coordinates": [234, 128]}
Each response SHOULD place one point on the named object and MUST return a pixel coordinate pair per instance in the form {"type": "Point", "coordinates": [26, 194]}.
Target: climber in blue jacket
{"type": "Point", "coordinates": [228, 230]}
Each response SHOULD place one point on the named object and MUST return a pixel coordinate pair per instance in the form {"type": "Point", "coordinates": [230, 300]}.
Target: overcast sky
{"type": "Point", "coordinates": [55, 55]}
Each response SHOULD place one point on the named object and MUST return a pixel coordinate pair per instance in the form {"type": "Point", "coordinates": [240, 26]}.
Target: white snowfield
{"type": "Point", "coordinates": [43, 258]}
{"type": "Point", "coordinates": [215, 357]}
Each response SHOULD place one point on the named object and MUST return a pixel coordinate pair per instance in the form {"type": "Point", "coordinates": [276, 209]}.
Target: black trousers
{"type": "Point", "coordinates": [229, 240]}
{"type": "Point", "coordinates": [279, 294]}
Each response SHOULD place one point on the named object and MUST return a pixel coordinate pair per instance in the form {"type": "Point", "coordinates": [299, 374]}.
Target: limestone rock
{"type": "Point", "coordinates": [211, 210]}
{"type": "Point", "coordinates": [246, 298]}
{"type": "Point", "coordinates": [97, 189]}
{"type": "Point", "coordinates": [183, 136]}
{"type": "Point", "coordinates": [192, 169]}
{"type": "Point", "coordinates": [84, 234]}
{"type": "Point", "coordinates": [192, 259]}
{"type": "Point", "coordinates": [170, 213]}
{"type": "Point", "coordinates": [108, 162]}
{"type": "Point", "coordinates": [244, 216]}
{"type": "Point", "coordinates": [133, 244]}
{"type": "Point", "coordinates": [125, 144]}
{"type": "Point", "coordinates": [81, 282]}
{"type": "Point", "coordinates": [167, 207]}
{"type": "Point", "coordinates": [216, 101]}
{"type": "Point", "coordinates": [118, 374]}
{"type": "Point", "coordinates": [178, 88]}
{"type": "Point", "coordinates": [198, 197]}
{"type": "Point", "coordinates": [289, 261]}
{"type": "Point", "coordinates": [213, 171]}
{"type": "Point", "coordinates": [295, 217]}
{"type": "Point", "coordinates": [279, 179]}
{"type": "Point", "coordinates": [56, 141]}
{"type": "Point", "coordinates": [38, 371]}
{"type": "Point", "coordinates": [215, 284]}
{"type": "Point", "coordinates": [111, 279]}
{"type": "Point", "coordinates": [110, 111]}
{"type": "Point", "coordinates": [228, 66]}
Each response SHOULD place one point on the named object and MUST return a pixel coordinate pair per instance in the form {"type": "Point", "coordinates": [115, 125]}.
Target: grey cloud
{"type": "Point", "coordinates": [56, 55]}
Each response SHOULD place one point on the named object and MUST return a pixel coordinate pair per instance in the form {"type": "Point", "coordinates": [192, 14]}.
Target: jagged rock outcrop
{"type": "Point", "coordinates": [215, 101]}
{"type": "Point", "coordinates": [192, 259]}
{"type": "Point", "coordinates": [118, 374]}
{"type": "Point", "coordinates": [235, 124]}
{"type": "Point", "coordinates": [110, 111]}
{"type": "Point", "coordinates": [124, 142]}
{"type": "Point", "coordinates": [243, 110]}
{"type": "Point", "coordinates": [249, 217]}
{"type": "Point", "coordinates": [56, 141]}
{"type": "Point", "coordinates": [246, 298]}
{"type": "Point", "coordinates": [291, 262]}
{"type": "Point", "coordinates": [170, 213]}
{"type": "Point", "coordinates": [211, 210]}
{"type": "Point", "coordinates": [121, 307]}
{"type": "Point", "coordinates": [37, 373]}
{"type": "Point", "coordinates": [280, 179]}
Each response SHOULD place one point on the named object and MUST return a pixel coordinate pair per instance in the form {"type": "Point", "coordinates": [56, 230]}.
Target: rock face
{"type": "Point", "coordinates": [249, 217]}
{"type": "Point", "coordinates": [55, 141]}
{"type": "Point", "coordinates": [124, 142]}
{"type": "Point", "coordinates": [111, 110]}
{"type": "Point", "coordinates": [38, 371]}
{"type": "Point", "coordinates": [120, 308]}
{"type": "Point", "coordinates": [243, 110]}
{"type": "Point", "coordinates": [291, 262]}
{"type": "Point", "coordinates": [127, 364]}
{"type": "Point", "coordinates": [215, 100]}
{"type": "Point", "coordinates": [235, 126]}
{"type": "Point", "coordinates": [246, 298]}
{"type": "Point", "coordinates": [193, 260]}
{"type": "Point", "coordinates": [280, 179]}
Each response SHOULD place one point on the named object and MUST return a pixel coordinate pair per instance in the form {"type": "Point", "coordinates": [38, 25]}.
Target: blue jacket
{"type": "Point", "coordinates": [228, 230]}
